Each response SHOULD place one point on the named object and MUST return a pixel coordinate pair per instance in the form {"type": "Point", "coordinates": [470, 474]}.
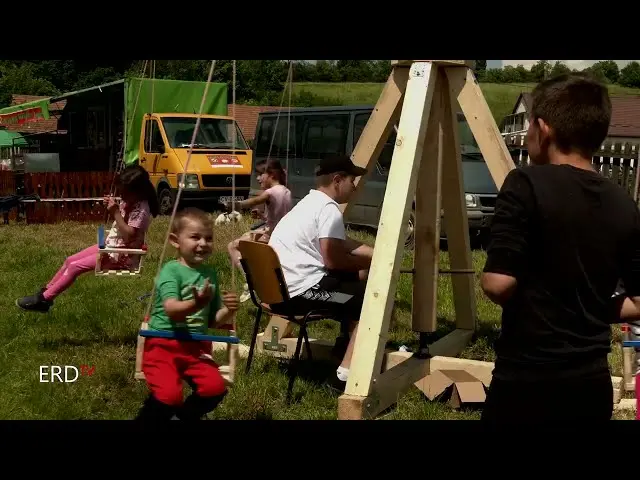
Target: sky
{"type": "Point", "coordinates": [577, 64]}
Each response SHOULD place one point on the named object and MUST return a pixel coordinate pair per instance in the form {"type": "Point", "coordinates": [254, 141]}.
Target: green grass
{"type": "Point", "coordinates": [96, 322]}
{"type": "Point", "coordinates": [501, 97]}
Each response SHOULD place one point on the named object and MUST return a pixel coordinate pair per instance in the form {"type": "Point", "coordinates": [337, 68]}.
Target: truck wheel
{"type": "Point", "coordinates": [410, 240]}
{"type": "Point", "coordinates": [165, 199]}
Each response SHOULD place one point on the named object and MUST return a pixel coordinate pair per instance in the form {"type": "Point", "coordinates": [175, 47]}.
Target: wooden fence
{"type": "Point", "coordinates": [616, 161]}
{"type": "Point", "coordinates": [73, 196]}
{"type": "Point", "coordinates": [7, 187]}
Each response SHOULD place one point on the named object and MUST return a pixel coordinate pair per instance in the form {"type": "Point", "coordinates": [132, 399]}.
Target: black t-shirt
{"type": "Point", "coordinates": [568, 236]}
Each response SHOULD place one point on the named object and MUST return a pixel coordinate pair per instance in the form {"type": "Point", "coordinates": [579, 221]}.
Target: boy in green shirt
{"type": "Point", "coordinates": [188, 300]}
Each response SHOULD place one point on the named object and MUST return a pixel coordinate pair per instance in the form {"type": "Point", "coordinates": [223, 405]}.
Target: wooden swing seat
{"type": "Point", "coordinates": [101, 271]}
{"type": "Point", "coordinates": [227, 370]}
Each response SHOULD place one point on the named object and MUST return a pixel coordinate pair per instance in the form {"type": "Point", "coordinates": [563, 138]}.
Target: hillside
{"type": "Point", "coordinates": [501, 97]}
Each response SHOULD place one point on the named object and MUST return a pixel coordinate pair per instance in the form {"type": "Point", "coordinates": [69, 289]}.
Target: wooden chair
{"type": "Point", "coordinates": [266, 281]}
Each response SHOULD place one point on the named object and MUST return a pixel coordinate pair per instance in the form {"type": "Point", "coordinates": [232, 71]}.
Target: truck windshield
{"type": "Point", "coordinates": [213, 133]}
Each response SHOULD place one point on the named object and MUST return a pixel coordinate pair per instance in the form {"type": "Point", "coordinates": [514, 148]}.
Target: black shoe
{"type": "Point", "coordinates": [196, 407]}
{"type": "Point", "coordinates": [34, 303]}
{"type": "Point", "coordinates": [154, 410]}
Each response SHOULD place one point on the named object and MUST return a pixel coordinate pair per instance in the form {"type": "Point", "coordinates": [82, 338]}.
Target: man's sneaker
{"type": "Point", "coordinates": [34, 303]}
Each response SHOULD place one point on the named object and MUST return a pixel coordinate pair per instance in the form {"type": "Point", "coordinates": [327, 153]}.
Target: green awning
{"type": "Point", "coordinates": [25, 112]}
{"type": "Point", "coordinates": [8, 139]}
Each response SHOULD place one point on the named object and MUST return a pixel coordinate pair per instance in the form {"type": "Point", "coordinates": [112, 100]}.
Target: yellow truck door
{"type": "Point", "coordinates": [153, 156]}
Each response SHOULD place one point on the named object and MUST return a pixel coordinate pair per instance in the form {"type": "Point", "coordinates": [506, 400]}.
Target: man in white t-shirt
{"type": "Point", "coordinates": [323, 268]}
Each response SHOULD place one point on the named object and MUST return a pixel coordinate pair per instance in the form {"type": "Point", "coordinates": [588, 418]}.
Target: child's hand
{"type": "Point", "coordinates": [231, 301]}
{"type": "Point", "coordinates": [111, 204]}
{"type": "Point", "coordinates": [203, 297]}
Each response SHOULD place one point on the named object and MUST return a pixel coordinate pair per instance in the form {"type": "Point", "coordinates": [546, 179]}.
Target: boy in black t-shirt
{"type": "Point", "coordinates": [561, 239]}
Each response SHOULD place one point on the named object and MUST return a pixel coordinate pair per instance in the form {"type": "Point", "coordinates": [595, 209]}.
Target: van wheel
{"type": "Point", "coordinates": [410, 241]}
{"type": "Point", "coordinates": [166, 199]}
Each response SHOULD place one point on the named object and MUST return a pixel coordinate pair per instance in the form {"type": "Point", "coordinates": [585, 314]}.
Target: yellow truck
{"type": "Point", "coordinates": [160, 141]}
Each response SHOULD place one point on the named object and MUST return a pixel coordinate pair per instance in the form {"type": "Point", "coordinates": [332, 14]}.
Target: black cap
{"type": "Point", "coordinates": [339, 163]}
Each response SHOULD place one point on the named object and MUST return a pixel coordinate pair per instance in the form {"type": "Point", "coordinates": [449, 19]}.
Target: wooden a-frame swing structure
{"type": "Point", "coordinates": [424, 95]}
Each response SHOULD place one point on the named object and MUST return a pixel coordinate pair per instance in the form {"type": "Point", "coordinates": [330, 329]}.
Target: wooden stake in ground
{"type": "Point", "coordinates": [426, 165]}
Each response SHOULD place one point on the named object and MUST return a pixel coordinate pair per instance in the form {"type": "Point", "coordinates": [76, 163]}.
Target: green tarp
{"type": "Point", "coordinates": [25, 113]}
{"type": "Point", "coordinates": [169, 96]}
{"type": "Point", "coordinates": [9, 139]}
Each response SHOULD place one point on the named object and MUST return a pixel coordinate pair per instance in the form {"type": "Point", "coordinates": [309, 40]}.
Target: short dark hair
{"type": "Point", "coordinates": [577, 108]}
{"type": "Point", "coordinates": [190, 213]}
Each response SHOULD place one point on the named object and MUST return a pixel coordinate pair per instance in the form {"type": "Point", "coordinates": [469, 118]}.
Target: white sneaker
{"type": "Point", "coordinates": [245, 294]}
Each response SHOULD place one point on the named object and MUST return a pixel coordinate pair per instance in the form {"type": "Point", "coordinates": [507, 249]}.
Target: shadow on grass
{"type": "Point", "coordinates": [66, 341]}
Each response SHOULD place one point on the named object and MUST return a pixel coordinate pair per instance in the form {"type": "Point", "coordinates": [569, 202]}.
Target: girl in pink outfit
{"type": "Point", "coordinates": [131, 222]}
{"type": "Point", "coordinates": [276, 200]}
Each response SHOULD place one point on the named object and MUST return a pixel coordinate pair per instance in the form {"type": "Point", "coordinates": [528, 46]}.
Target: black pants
{"type": "Point", "coordinates": [572, 400]}
{"type": "Point", "coordinates": [341, 293]}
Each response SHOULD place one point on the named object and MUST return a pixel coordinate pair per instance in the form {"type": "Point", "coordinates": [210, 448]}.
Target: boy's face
{"type": "Point", "coordinates": [538, 140]}
{"type": "Point", "coordinates": [194, 242]}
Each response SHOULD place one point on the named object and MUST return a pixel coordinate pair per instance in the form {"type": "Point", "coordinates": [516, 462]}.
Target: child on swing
{"type": "Point", "coordinates": [188, 299]}
{"type": "Point", "coordinates": [131, 220]}
{"type": "Point", "coordinates": [276, 198]}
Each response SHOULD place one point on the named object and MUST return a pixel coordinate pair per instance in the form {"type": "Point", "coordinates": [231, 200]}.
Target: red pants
{"type": "Point", "coordinates": [167, 362]}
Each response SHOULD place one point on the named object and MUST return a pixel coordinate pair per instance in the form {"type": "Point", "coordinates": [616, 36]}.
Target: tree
{"type": "Point", "coordinates": [609, 68]}
{"type": "Point", "coordinates": [559, 68]}
{"type": "Point", "coordinates": [630, 75]}
{"type": "Point", "coordinates": [540, 70]}
{"type": "Point", "coordinates": [22, 79]}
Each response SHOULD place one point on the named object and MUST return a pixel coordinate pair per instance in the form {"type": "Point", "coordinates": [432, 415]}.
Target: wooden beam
{"type": "Point", "coordinates": [445, 63]}
{"type": "Point", "coordinates": [376, 131]}
{"type": "Point", "coordinates": [455, 217]}
{"type": "Point", "coordinates": [464, 87]}
{"type": "Point", "coordinates": [427, 218]}
{"type": "Point", "coordinates": [394, 382]}
{"type": "Point", "coordinates": [387, 256]}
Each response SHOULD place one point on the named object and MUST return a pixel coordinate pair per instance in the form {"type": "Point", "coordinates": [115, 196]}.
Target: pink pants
{"type": "Point", "coordinates": [72, 268]}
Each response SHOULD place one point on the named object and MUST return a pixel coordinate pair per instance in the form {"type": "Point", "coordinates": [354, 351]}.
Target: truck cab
{"type": "Point", "coordinates": [165, 140]}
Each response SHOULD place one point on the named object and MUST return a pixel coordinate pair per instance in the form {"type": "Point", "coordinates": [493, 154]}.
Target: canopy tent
{"type": "Point", "coordinates": [25, 112]}
{"type": "Point", "coordinates": [10, 139]}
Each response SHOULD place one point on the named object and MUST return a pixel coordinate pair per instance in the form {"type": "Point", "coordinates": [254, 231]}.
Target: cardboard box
{"type": "Point", "coordinates": [459, 386]}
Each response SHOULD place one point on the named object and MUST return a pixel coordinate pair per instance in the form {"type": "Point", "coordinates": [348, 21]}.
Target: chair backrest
{"type": "Point", "coordinates": [264, 272]}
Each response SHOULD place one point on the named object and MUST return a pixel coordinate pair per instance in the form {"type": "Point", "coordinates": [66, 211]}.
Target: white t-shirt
{"type": "Point", "coordinates": [296, 239]}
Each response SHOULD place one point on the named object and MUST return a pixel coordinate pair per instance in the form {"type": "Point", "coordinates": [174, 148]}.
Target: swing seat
{"type": "Point", "coordinates": [227, 371]}
{"type": "Point", "coordinates": [104, 250]}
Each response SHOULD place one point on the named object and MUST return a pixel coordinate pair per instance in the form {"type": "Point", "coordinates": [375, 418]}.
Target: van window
{"type": "Point", "coordinates": [279, 147]}
{"type": "Point", "coordinates": [384, 160]}
{"type": "Point", "coordinates": [153, 142]}
{"type": "Point", "coordinates": [325, 135]}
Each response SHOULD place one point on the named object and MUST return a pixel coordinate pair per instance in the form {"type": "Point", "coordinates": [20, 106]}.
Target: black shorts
{"type": "Point", "coordinates": [340, 293]}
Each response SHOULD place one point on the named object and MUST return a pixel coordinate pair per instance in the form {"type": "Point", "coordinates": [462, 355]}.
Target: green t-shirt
{"type": "Point", "coordinates": [177, 281]}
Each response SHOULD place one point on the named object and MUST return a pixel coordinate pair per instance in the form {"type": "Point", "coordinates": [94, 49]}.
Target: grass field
{"type": "Point", "coordinates": [501, 97]}
{"type": "Point", "coordinates": [96, 322]}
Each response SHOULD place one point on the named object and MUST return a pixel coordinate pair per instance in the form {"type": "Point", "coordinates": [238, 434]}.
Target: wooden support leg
{"type": "Point", "coordinates": [455, 211]}
{"type": "Point", "coordinates": [466, 91]}
{"type": "Point", "coordinates": [427, 218]}
{"type": "Point", "coordinates": [378, 128]}
{"type": "Point", "coordinates": [385, 268]}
